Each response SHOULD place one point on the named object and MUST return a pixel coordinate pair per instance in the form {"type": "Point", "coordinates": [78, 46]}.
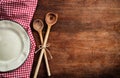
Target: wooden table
{"type": "Point", "coordinates": [85, 42]}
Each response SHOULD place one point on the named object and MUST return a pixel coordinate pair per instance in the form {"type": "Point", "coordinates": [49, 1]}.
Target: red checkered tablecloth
{"type": "Point", "coordinates": [20, 11]}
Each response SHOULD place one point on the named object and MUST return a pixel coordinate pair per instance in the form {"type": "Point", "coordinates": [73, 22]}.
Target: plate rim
{"type": "Point", "coordinates": [14, 67]}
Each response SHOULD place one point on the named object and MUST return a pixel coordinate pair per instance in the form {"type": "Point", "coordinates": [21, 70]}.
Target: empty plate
{"type": "Point", "coordinates": [14, 45]}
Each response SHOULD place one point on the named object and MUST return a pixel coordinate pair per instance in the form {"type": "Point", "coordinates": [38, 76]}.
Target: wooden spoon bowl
{"type": "Point", "coordinates": [51, 18]}
{"type": "Point", "coordinates": [38, 25]}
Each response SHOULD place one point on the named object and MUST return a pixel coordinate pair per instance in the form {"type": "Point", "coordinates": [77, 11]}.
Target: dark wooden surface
{"type": "Point", "coordinates": [85, 42]}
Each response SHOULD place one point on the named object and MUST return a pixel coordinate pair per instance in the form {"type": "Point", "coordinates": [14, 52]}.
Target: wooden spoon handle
{"type": "Point", "coordinates": [47, 64]}
{"type": "Point", "coordinates": [42, 51]}
{"type": "Point", "coordinates": [45, 55]}
{"type": "Point", "coordinates": [38, 64]}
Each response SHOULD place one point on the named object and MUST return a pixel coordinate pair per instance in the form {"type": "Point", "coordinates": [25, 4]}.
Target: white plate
{"type": "Point", "coordinates": [14, 45]}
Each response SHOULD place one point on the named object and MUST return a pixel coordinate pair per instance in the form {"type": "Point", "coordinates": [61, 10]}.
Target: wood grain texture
{"type": "Point", "coordinates": [85, 42]}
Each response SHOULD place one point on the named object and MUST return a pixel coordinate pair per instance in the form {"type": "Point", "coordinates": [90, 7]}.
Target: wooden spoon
{"type": "Point", "coordinates": [51, 19]}
{"type": "Point", "coordinates": [38, 26]}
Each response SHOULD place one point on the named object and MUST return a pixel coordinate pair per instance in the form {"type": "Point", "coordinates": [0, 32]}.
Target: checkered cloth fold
{"type": "Point", "coordinates": [20, 11]}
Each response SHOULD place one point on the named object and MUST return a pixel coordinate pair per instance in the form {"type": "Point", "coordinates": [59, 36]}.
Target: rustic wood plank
{"type": "Point", "coordinates": [85, 42]}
